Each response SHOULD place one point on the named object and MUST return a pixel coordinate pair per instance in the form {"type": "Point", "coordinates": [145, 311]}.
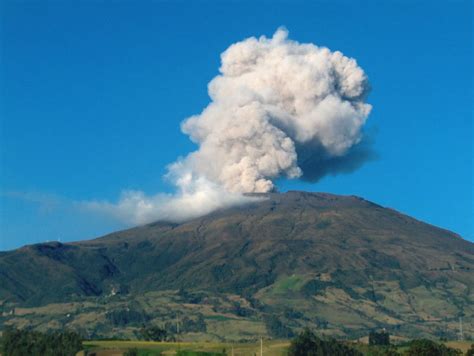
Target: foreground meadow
{"type": "Point", "coordinates": [150, 348]}
{"type": "Point", "coordinates": [113, 348]}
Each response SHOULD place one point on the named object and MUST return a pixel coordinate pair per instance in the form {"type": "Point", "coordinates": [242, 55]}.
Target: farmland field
{"type": "Point", "coordinates": [271, 348]}
{"type": "Point", "coordinates": [115, 348]}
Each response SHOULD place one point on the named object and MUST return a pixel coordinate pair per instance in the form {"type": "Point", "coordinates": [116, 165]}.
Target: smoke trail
{"type": "Point", "coordinates": [195, 197]}
{"type": "Point", "coordinates": [278, 108]}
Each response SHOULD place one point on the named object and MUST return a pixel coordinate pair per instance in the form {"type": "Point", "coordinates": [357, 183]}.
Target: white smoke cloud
{"type": "Point", "coordinates": [196, 197]}
{"type": "Point", "coordinates": [275, 102]}
{"type": "Point", "coordinates": [272, 96]}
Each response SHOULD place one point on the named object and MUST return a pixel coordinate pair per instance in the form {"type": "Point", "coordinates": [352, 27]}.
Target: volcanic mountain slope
{"type": "Point", "coordinates": [338, 263]}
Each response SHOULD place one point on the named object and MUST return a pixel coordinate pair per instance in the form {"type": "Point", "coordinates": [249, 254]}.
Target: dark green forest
{"type": "Point", "coordinates": [16, 342]}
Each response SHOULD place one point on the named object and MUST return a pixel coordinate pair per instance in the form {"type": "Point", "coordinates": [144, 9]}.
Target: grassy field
{"type": "Point", "coordinates": [116, 348]}
{"type": "Point", "coordinates": [271, 348]}
{"type": "Point", "coordinates": [461, 345]}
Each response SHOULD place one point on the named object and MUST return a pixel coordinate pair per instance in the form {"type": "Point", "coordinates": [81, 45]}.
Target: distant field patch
{"type": "Point", "coordinates": [292, 283]}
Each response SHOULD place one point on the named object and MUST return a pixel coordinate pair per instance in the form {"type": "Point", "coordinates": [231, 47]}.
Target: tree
{"type": "Point", "coordinates": [470, 352]}
{"type": "Point", "coordinates": [277, 329]}
{"type": "Point", "coordinates": [308, 344]}
{"type": "Point", "coordinates": [199, 353]}
{"type": "Point", "coordinates": [25, 342]}
{"type": "Point", "coordinates": [379, 338]}
{"type": "Point", "coordinates": [424, 347]}
{"type": "Point", "coordinates": [123, 317]}
{"type": "Point", "coordinates": [131, 352]}
{"type": "Point", "coordinates": [154, 333]}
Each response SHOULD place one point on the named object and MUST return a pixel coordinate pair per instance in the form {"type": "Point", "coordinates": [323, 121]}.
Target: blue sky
{"type": "Point", "coordinates": [92, 94]}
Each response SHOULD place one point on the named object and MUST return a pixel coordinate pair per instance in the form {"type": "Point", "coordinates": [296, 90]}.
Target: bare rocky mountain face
{"type": "Point", "coordinates": [339, 264]}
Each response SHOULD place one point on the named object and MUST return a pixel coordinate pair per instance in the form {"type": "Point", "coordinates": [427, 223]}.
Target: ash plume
{"type": "Point", "coordinates": [274, 99]}
{"type": "Point", "coordinates": [278, 108]}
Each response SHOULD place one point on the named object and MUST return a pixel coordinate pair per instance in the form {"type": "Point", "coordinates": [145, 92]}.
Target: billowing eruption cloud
{"type": "Point", "coordinates": [278, 108]}
{"type": "Point", "coordinates": [274, 100]}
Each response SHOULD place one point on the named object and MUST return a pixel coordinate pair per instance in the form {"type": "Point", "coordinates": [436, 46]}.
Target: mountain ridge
{"type": "Point", "coordinates": [322, 254]}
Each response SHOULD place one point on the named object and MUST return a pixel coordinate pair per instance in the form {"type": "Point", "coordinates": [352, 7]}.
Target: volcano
{"type": "Point", "coordinates": [339, 264]}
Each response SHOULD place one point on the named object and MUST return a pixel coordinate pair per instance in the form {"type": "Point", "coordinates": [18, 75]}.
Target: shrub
{"type": "Point", "coordinates": [154, 333]}
{"type": "Point", "coordinates": [131, 352]}
{"type": "Point", "coordinates": [470, 352]}
{"type": "Point", "coordinates": [424, 347]}
{"type": "Point", "coordinates": [308, 344]}
{"type": "Point", "coordinates": [379, 338]}
{"type": "Point", "coordinates": [123, 317]}
{"type": "Point", "coordinates": [277, 329]}
{"type": "Point", "coordinates": [198, 353]}
{"type": "Point", "coordinates": [190, 325]}
{"type": "Point", "coordinates": [382, 351]}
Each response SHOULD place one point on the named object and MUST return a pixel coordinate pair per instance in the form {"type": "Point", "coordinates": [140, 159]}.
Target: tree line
{"type": "Point", "coordinates": [308, 344]}
{"type": "Point", "coordinates": [17, 342]}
